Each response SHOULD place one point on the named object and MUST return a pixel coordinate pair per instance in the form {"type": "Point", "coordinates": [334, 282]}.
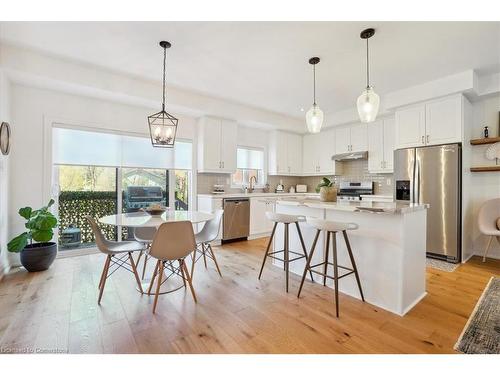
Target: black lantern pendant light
{"type": "Point", "coordinates": [162, 125]}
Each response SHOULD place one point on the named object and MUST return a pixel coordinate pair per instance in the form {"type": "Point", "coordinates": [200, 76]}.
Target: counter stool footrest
{"type": "Point", "coordinates": [289, 260]}
{"type": "Point", "coordinates": [332, 277]}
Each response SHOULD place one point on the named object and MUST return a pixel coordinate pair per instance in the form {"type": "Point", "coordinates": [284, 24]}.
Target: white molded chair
{"type": "Point", "coordinates": [116, 255]}
{"type": "Point", "coordinates": [204, 238]}
{"type": "Point", "coordinates": [145, 236]}
{"type": "Point", "coordinates": [173, 242]}
{"type": "Point", "coordinates": [487, 222]}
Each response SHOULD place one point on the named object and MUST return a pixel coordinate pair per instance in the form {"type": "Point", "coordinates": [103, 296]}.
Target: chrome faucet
{"type": "Point", "coordinates": [252, 185]}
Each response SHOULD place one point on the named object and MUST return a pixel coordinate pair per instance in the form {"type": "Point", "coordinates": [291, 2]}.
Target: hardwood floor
{"type": "Point", "coordinates": [57, 310]}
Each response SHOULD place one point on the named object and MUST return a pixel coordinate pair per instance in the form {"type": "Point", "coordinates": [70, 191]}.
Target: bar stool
{"type": "Point", "coordinates": [331, 228]}
{"type": "Point", "coordinates": [286, 220]}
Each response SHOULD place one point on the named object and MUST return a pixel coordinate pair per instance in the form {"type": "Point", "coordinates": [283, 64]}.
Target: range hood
{"type": "Point", "coordinates": [350, 156]}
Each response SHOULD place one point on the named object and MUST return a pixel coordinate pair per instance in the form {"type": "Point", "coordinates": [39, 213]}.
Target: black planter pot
{"type": "Point", "coordinates": [38, 256]}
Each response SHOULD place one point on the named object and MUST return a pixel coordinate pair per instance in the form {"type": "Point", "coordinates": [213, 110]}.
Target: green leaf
{"type": "Point", "coordinates": [26, 212]}
{"type": "Point", "coordinates": [42, 235]}
{"type": "Point", "coordinates": [46, 221]}
{"type": "Point", "coordinates": [51, 202]}
{"type": "Point", "coordinates": [18, 243]}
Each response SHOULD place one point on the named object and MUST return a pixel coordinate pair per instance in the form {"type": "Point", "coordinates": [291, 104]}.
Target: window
{"type": "Point", "coordinates": [100, 174]}
{"type": "Point", "coordinates": [250, 163]}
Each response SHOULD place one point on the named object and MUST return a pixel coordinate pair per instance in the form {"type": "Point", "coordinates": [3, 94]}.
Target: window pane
{"type": "Point", "coordinates": [182, 185]}
{"type": "Point", "coordinates": [250, 162]}
{"type": "Point", "coordinates": [84, 190]}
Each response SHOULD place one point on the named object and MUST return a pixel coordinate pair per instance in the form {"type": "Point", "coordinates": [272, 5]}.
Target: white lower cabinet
{"type": "Point", "coordinates": [259, 223]}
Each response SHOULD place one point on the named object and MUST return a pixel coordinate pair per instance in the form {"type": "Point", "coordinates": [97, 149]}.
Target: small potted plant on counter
{"type": "Point", "coordinates": [327, 192]}
{"type": "Point", "coordinates": [40, 226]}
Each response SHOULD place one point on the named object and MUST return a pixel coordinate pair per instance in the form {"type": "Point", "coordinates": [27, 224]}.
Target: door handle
{"type": "Point", "coordinates": [427, 138]}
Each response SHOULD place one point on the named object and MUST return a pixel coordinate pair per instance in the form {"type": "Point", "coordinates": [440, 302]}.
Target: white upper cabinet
{"type": "Point", "coordinates": [443, 121]}
{"type": "Point", "coordinates": [381, 146]}
{"type": "Point", "coordinates": [359, 137]}
{"type": "Point", "coordinates": [342, 140]}
{"type": "Point", "coordinates": [351, 138]}
{"type": "Point", "coordinates": [432, 123]}
{"type": "Point", "coordinates": [318, 150]}
{"type": "Point", "coordinates": [285, 154]}
{"type": "Point", "coordinates": [410, 127]}
{"type": "Point", "coordinates": [216, 145]}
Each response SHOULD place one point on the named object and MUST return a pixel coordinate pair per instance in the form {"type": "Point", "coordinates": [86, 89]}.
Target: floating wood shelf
{"type": "Point", "coordinates": [484, 141]}
{"type": "Point", "coordinates": [493, 168]}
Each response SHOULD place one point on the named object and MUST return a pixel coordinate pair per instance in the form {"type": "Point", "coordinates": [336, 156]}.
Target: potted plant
{"type": "Point", "coordinates": [40, 226]}
{"type": "Point", "coordinates": [327, 192]}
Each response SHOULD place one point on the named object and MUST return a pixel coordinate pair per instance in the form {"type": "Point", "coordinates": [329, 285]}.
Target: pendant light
{"type": "Point", "coordinates": [368, 102]}
{"type": "Point", "coordinates": [162, 125]}
{"type": "Point", "coordinates": [314, 117]}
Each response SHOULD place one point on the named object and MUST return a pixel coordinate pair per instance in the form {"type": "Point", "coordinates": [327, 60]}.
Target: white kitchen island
{"type": "Point", "coordinates": [389, 249]}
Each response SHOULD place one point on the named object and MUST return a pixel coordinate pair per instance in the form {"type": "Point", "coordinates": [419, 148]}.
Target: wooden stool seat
{"type": "Point", "coordinates": [331, 228]}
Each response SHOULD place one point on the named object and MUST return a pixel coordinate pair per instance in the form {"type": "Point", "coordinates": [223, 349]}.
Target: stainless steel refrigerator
{"type": "Point", "coordinates": [433, 175]}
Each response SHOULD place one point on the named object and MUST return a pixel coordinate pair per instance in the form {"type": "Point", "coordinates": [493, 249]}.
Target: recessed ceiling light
{"type": "Point", "coordinates": [302, 110]}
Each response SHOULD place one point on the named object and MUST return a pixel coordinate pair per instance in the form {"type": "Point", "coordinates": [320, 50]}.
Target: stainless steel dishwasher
{"type": "Point", "coordinates": [236, 219]}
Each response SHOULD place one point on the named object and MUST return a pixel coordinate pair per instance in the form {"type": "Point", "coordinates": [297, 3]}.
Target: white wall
{"type": "Point", "coordinates": [4, 172]}
{"type": "Point", "coordinates": [32, 109]}
{"type": "Point", "coordinates": [484, 186]}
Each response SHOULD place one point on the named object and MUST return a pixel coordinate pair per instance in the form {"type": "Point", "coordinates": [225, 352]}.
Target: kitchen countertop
{"type": "Point", "coordinates": [257, 194]}
{"type": "Point", "coordinates": [378, 207]}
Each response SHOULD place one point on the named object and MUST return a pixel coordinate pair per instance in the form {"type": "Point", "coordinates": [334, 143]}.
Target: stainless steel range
{"type": "Point", "coordinates": [352, 191]}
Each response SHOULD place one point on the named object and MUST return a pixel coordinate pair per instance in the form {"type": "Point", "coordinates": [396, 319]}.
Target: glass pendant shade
{"type": "Point", "coordinates": [368, 105]}
{"type": "Point", "coordinates": [314, 119]}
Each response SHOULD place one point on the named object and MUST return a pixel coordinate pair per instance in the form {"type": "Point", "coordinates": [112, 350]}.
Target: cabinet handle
{"type": "Point", "coordinates": [423, 140]}
{"type": "Point", "coordinates": [427, 138]}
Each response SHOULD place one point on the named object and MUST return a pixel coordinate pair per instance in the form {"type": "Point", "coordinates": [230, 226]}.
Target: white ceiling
{"type": "Point", "coordinates": [264, 64]}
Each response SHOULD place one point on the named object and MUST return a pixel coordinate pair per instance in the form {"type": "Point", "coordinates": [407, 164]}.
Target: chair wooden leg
{"type": "Point", "coordinates": [160, 275]}
{"type": "Point", "coordinates": [308, 264]}
{"type": "Point", "coordinates": [209, 247]}
{"type": "Point", "coordinates": [190, 282]}
{"type": "Point", "coordinates": [153, 278]}
{"type": "Point", "coordinates": [146, 258]}
{"type": "Point", "coordinates": [303, 247]}
{"type": "Point", "coordinates": [327, 257]}
{"type": "Point", "coordinates": [204, 254]}
{"type": "Point", "coordinates": [487, 248]}
{"type": "Point", "coordinates": [134, 268]}
{"type": "Point", "coordinates": [105, 274]}
{"type": "Point", "coordinates": [353, 263]}
{"type": "Point", "coordinates": [267, 249]}
{"type": "Point", "coordinates": [183, 275]}
{"type": "Point", "coordinates": [335, 271]}
{"type": "Point", "coordinates": [287, 256]}
{"type": "Point", "coordinates": [193, 257]}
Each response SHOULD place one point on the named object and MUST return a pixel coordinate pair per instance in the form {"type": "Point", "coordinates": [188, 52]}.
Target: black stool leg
{"type": "Point", "coordinates": [349, 250]}
{"type": "Point", "coordinates": [303, 247]}
{"type": "Point", "coordinates": [335, 272]}
{"type": "Point", "coordinates": [327, 251]}
{"type": "Point", "coordinates": [308, 264]}
{"type": "Point", "coordinates": [267, 250]}
{"type": "Point", "coordinates": [287, 263]}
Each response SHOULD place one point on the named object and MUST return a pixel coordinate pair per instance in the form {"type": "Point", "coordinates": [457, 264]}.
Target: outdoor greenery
{"type": "Point", "coordinates": [40, 226]}
{"type": "Point", "coordinates": [75, 205]}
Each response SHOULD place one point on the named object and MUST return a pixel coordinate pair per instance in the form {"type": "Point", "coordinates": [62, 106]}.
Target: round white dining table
{"type": "Point", "coordinates": [143, 219]}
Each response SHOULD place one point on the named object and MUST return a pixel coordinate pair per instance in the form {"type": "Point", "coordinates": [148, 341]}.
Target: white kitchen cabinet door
{"type": "Point", "coordinates": [410, 127]}
{"type": "Point", "coordinates": [259, 223]}
{"type": "Point", "coordinates": [277, 155]}
{"type": "Point", "coordinates": [389, 134]}
{"type": "Point", "coordinates": [359, 137]}
{"type": "Point", "coordinates": [228, 144]}
{"type": "Point", "coordinates": [326, 149]}
{"type": "Point", "coordinates": [294, 154]}
{"type": "Point", "coordinates": [342, 140]}
{"type": "Point", "coordinates": [443, 121]}
{"type": "Point", "coordinates": [310, 154]}
{"type": "Point", "coordinates": [376, 146]}
{"type": "Point", "coordinates": [209, 145]}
